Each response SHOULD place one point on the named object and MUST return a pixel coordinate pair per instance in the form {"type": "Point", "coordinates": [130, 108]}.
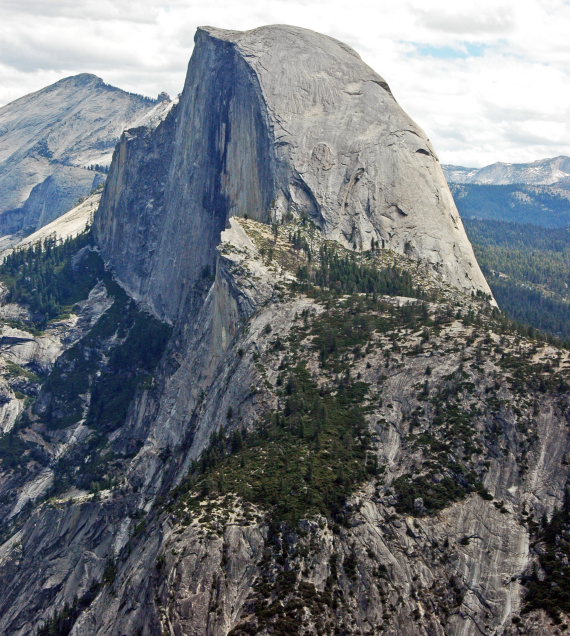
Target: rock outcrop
{"type": "Point", "coordinates": [311, 446]}
{"type": "Point", "coordinates": [274, 123]}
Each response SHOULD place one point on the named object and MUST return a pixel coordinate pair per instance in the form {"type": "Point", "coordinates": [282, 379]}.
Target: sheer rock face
{"type": "Point", "coordinates": [275, 121]}
{"type": "Point", "coordinates": [128, 553]}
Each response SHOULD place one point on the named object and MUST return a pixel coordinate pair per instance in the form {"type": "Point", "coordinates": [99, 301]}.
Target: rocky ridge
{"type": "Point", "coordinates": [48, 139]}
{"type": "Point", "coordinates": [554, 171]}
{"type": "Point", "coordinates": [326, 438]}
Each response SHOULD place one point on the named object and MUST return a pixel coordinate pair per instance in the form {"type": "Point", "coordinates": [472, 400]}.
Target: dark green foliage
{"type": "Point", "coordinates": [130, 363]}
{"type": "Point", "coordinates": [503, 324]}
{"type": "Point", "coordinates": [300, 243]}
{"type": "Point", "coordinates": [513, 255]}
{"type": "Point", "coordinates": [44, 279]}
{"type": "Point", "coordinates": [552, 592]}
{"type": "Point", "coordinates": [97, 167]}
{"type": "Point", "coordinates": [536, 376]}
{"type": "Point", "coordinates": [137, 343]}
{"type": "Point", "coordinates": [523, 238]}
{"type": "Point", "coordinates": [448, 440]}
{"type": "Point", "coordinates": [349, 324]}
{"type": "Point", "coordinates": [339, 330]}
{"type": "Point", "coordinates": [302, 460]}
{"type": "Point", "coordinates": [523, 252]}
{"type": "Point", "coordinates": [63, 621]}
{"type": "Point", "coordinates": [309, 456]}
{"type": "Point", "coordinates": [436, 492]}
{"type": "Point", "coordinates": [285, 605]}
{"type": "Point", "coordinates": [114, 360]}
{"type": "Point", "coordinates": [540, 205]}
{"type": "Point", "coordinates": [532, 307]}
{"type": "Point", "coordinates": [73, 372]}
{"type": "Point", "coordinates": [347, 275]}
{"type": "Point", "coordinates": [110, 363]}
{"type": "Point", "coordinates": [12, 449]}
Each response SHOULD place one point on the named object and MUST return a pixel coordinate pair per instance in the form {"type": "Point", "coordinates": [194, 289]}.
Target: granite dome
{"type": "Point", "coordinates": [274, 122]}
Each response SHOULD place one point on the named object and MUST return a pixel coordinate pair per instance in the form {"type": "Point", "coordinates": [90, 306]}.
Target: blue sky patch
{"type": "Point", "coordinates": [465, 50]}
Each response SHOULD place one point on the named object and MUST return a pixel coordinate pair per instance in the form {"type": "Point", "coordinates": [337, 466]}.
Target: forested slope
{"type": "Point", "coordinates": [528, 268]}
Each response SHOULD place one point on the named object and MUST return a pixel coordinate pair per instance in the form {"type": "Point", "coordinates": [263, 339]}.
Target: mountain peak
{"type": "Point", "coordinates": [82, 79]}
{"type": "Point", "coordinates": [540, 172]}
{"type": "Point", "coordinates": [71, 83]}
{"type": "Point", "coordinates": [48, 140]}
{"type": "Point", "coordinates": [274, 123]}
{"type": "Point", "coordinates": [274, 35]}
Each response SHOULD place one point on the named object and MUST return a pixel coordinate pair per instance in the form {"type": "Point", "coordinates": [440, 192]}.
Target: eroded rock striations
{"type": "Point", "coordinates": [275, 122]}
{"type": "Point", "coordinates": [331, 435]}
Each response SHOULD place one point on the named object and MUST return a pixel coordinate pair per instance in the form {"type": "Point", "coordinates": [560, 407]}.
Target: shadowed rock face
{"type": "Point", "coordinates": [273, 122]}
{"type": "Point", "coordinates": [137, 557]}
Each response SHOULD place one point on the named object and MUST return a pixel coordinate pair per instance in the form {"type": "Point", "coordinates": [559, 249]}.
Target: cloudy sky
{"type": "Point", "coordinates": [488, 80]}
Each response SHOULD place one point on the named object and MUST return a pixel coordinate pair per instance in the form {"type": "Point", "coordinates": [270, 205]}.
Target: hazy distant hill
{"type": "Point", "coordinates": [537, 193]}
{"type": "Point", "coordinates": [56, 144]}
{"type": "Point", "coordinates": [528, 271]}
{"type": "Point", "coordinates": [547, 206]}
{"type": "Point", "coordinates": [542, 172]}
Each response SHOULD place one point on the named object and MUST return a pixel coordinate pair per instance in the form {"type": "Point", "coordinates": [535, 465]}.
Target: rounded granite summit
{"type": "Point", "coordinates": [282, 121]}
{"type": "Point", "coordinates": [353, 158]}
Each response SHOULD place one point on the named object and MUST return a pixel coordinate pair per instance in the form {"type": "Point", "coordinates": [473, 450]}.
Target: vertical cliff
{"type": "Point", "coordinates": [331, 436]}
{"type": "Point", "coordinates": [276, 123]}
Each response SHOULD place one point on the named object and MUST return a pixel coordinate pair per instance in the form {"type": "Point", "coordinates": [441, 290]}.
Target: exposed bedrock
{"type": "Point", "coordinates": [273, 122]}
{"type": "Point", "coordinates": [49, 139]}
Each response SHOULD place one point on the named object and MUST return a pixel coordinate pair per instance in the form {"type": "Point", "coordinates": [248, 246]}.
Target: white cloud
{"type": "Point", "coordinates": [455, 20]}
{"type": "Point", "coordinates": [487, 80]}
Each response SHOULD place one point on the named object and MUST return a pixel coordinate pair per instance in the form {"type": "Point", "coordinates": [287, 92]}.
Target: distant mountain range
{"type": "Point", "coordinates": [542, 172]}
{"type": "Point", "coordinates": [56, 144]}
{"type": "Point", "coordinates": [537, 193]}
{"type": "Point", "coordinates": [528, 270]}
